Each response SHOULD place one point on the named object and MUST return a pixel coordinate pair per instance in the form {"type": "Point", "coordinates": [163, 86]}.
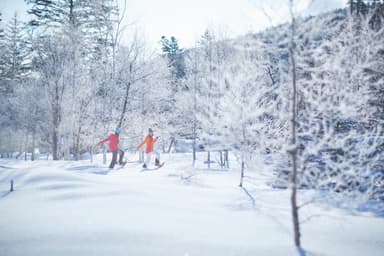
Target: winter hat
{"type": "Point", "coordinates": [117, 130]}
{"type": "Point", "coordinates": [150, 130]}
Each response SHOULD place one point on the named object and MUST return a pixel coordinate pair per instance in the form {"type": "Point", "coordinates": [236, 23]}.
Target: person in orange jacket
{"type": "Point", "coordinates": [149, 143]}
{"type": "Point", "coordinates": [114, 148]}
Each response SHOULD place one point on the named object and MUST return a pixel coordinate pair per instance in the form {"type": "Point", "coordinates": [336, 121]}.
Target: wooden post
{"type": "Point", "coordinates": [11, 186]}
{"type": "Point", "coordinates": [91, 151]}
{"type": "Point", "coordinates": [209, 159]}
{"type": "Point", "coordinates": [104, 155]}
{"type": "Point", "coordinates": [226, 158]}
{"type": "Point", "coordinates": [242, 173]}
{"type": "Point", "coordinates": [221, 159]}
{"type": "Point", "coordinates": [194, 152]}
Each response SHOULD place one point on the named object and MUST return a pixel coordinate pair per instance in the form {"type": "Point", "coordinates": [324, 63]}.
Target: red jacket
{"type": "Point", "coordinates": [149, 141]}
{"type": "Point", "coordinates": [113, 142]}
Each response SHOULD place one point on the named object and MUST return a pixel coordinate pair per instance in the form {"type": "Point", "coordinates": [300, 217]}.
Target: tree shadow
{"type": "Point", "coordinates": [252, 199]}
{"type": "Point", "coordinates": [6, 167]}
{"type": "Point", "coordinates": [6, 194]}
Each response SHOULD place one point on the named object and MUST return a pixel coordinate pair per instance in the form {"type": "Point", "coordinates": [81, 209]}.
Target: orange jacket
{"type": "Point", "coordinates": [149, 141]}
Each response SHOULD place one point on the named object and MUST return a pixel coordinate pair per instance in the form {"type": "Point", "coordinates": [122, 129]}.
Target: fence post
{"type": "Point", "coordinates": [221, 159]}
{"type": "Point", "coordinates": [11, 186]}
{"type": "Point", "coordinates": [209, 159]}
{"type": "Point", "coordinates": [226, 158]}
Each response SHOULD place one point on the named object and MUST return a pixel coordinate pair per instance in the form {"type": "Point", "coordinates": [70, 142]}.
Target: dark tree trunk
{"type": "Point", "coordinates": [170, 144]}
{"type": "Point", "coordinates": [33, 143]}
{"type": "Point", "coordinates": [55, 145]}
{"type": "Point", "coordinates": [127, 89]}
{"type": "Point", "coordinates": [76, 146]}
{"type": "Point", "coordinates": [242, 173]}
{"type": "Point", "coordinates": [194, 143]}
{"type": "Point", "coordinates": [293, 152]}
{"type": "Point", "coordinates": [56, 122]}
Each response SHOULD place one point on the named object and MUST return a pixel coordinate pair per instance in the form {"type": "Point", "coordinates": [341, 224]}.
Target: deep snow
{"type": "Point", "coordinates": [80, 208]}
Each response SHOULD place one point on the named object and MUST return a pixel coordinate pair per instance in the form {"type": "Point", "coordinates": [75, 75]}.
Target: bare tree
{"type": "Point", "coordinates": [51, 62]}
{"type": "Point", "coordinates": [293, 151]}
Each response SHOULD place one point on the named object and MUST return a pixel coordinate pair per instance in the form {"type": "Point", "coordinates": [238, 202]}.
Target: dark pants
{"type": "Point", "coordinates": [114, 158]}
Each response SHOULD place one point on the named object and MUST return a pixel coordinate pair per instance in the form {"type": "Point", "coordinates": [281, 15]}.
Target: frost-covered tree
{"type": "Point", "coordinates": [30, 104]}
{"type": "Point", "coordinates": [88, 29]}
{"type": "Point", "coordinates": [53, 14]}
{"type": "Point", "coordinates": [175, 56]}
{"type": "Point", "coordinates": [14, 66]}
{"type": "Point", "coordinates": [2, 46]}
{"type": "Point", "coordinates": [5, 86]}
{"type": "Point", "coordinates": [368, 30]}
{"type": "Point", "coordinates": [16, 54]}
{"type": "Point", "coordinates": [131, 69]}
{"type": "Point", "coordinates": [293, 150]}
{"type": "Point", "coordinates": [187, 103]}
{"type": "Point", "coordinates": [335, 145]}
{"type": "Point", "coordinates": [52, 62]}
{"type": "Point", "coordinates": [210, 59]}
{"type": "Point", "coordinates": [104, 35]}
{"type": "Point", "coordinates": [152, 101]}
{"type": "Point", "coordinates": [336, 129]}
{"type": "Point", "coordinates": [242, 118]}
{"type": "Point", "coordinates": [185, 122]}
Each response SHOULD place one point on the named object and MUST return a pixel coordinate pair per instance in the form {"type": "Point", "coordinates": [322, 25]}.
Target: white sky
{"type": "Point", "coordinates": [188, 19]}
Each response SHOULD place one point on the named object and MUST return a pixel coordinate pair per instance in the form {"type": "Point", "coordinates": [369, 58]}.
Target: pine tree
{"type": "Point", "coordinates": [93, 18]}
{"type": "Point", "coordinates": [175, 55]}
{"type": "Point", "coordinates": [16, 56]}
{"type": "Point", "coordinates": [4, 84]}
{"type": "Point", "coordinates": [46, 12]}
{"type": "Point", "coordinates": [2, 48]}
{"type": "Point", "coordinates": [53, 14]}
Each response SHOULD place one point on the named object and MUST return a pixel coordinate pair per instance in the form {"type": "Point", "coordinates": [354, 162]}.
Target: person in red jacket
{"type": "Point", "coordinates": [114, 147]}
{"type": "Point", "coordinates": [149, 143]}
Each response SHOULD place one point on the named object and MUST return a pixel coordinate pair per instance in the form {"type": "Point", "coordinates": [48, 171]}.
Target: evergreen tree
{"type": "Point", "coordinates": [2, 48]}
{"type": "Point", "coordinates": [4, 84]}
{"type": "Point", "coordinates": [13, 67]}
{"type": "Point", "coordinates": [175, 55]}
{"type": "Point", "coordinates": [93, 18]}
{"type": "Point", "coordinates": [48, 13]}
{"type": "Point", "coordinates": [16, 55]}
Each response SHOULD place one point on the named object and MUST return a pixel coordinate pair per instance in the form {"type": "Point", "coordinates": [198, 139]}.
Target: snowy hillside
{"type": "Point", "coordinates": [80, 208]}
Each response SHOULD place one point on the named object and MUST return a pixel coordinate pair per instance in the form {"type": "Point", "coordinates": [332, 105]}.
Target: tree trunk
{"type": "Point", "coordinates": [194, 141]}
{"type": "Point", "coordinates": [293, 152]}
{"type": "Point", "coordinates": [55, 145]}
{"type": "Point", "coordinates": [104, 155]}
{"type": "Point", "coordinates": [127, 88]}
{"type": "Point", "coordinates": [33, 143]}
{"type": "Point", "coordinates": [56, 122]}
{"type": "Point", "coordinates": [91, 151]}
{"type": "Point", "coordinates": [76, 146]}
{"type": "Point", "coordinates": [170, 144]}
{"type": "Point", "coordinates": [194, 152]}
{"type": "Point", "coordinates": [194, 112]}
{"type": "Point", "coordinates": [242, 173]}
{"type": "Point", "coordinates": [209, 159]}
{"type": "Point", "coordinates": [26, 147]}
{"type": "Point", "coordinates": [55, 136]}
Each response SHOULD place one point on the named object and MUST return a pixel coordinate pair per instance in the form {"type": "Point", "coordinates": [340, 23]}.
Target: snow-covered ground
{"type": "Point", "coordinates": [80, 208]}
